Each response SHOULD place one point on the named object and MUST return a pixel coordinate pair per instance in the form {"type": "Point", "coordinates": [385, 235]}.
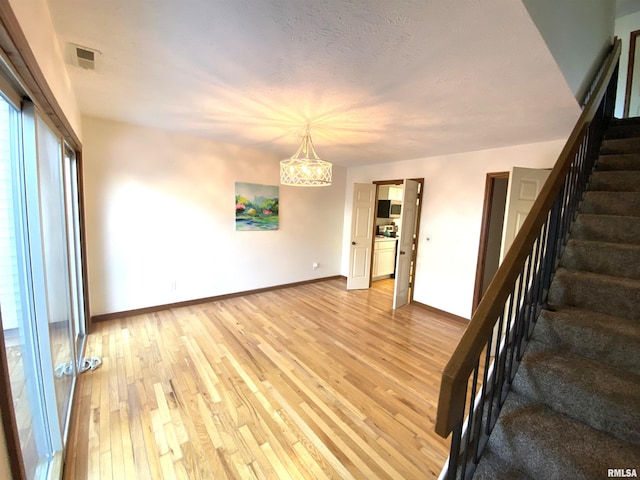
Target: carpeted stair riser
{"type": "Point", "coordinates": [623, 131]}
{"type": "Point", "coordinates": [623, 122]}
{"type": "Point", "coordinates": [620, 146]}
{"type": "Point", "coordinates": [547, 445]}
{"type": "Point", "coordinates": [616, 296]}
{"type": "Point", "coordinates": [617, 259]}
{"type": "Point", "coordinates": [607, 228]}
{"type": "Point", "coordinates": [618, 162]}
{"type": "Point", "coordinates": [620, 181]}
{"type": "Point", "coordinates": [594, 335]}
{"type": "Point", "coordinates": [611, 203]}
{"type": "Point", "coordinates": [600, 396]}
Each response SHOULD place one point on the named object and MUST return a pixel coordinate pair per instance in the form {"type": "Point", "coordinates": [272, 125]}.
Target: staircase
{"type": "Point", "coordinates": [574, 407]}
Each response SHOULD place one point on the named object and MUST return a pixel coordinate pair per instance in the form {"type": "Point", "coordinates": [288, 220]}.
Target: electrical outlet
{"type": "Point", "coordinates": [315, 265]}
{"type": "Point", "coordinates": [173, 286]}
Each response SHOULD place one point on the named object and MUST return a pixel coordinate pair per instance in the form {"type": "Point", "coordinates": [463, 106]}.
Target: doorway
{"type": "Point", "coordinates": [41, 296]}
{"type": "Point", "coordinates": [495, 200]}
{"type": "Point", "coordinates": [396, 235]}
{"type": "Point", "coordinates": [503, 215]}
{"type": "Point", "coordinates": [404, 249]}
{"type": "Point", "coordinates": [632, 93]}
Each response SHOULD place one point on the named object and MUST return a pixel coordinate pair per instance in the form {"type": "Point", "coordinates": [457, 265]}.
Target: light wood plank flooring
{"type": "Point", "coordinates": [21, 407]}
{"type": "Point", "coordinates": [305, 382]}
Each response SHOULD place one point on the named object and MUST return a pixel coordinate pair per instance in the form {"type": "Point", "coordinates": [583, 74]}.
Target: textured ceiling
{"type": "Point", "coordinates": [378, 80]}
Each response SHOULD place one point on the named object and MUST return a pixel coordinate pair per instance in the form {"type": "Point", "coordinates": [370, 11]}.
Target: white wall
{"type": "Point", "coordinates": [577, 33]}
{"type": "Point", "coordinates": [451, 215]}
{"type": "Point", "coordinates": [161, 206]}
{"type": "Point", "coordinates": [624, 26]}
{"type": "Point", "coordinates": [35, 21]}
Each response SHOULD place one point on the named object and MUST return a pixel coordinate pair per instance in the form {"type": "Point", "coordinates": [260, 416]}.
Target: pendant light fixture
{"type": "Point", "coordinates": [304, 168]}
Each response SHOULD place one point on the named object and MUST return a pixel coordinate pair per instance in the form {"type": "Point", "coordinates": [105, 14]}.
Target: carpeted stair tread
{"type": "Point", "coordinates": [549, 445]}
{"type": "Point", "coordinates": [602, 293]}
{"type": "Point", "coordinates": [606, 258]}
{"type": "Point", "coordinates": [607, 228]}
{"type": "Point", "coordinates": [603, 397]}
{"type": "Point", "coordinates": [611, 203]}
{"type": "Point", "coordinates": [629, 161]}
{"type": "Point", "coordinates": [493, 467]}
{"type": "Point", "coordinates": [620, 145]}
{"type": "Point", "coordinates": [618, 180]}
{"type": "Point", "coordinates": [599, 336]}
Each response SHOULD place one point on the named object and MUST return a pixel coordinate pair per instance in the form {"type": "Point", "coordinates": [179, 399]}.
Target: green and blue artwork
{"type": "Point", "coordinates": [257, 206]}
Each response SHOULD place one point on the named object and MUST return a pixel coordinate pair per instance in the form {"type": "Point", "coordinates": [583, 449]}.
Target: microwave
{"type": "Point", "coordinates": [389, 209]}
{"type": "Point", "coordinates": [395, 209]}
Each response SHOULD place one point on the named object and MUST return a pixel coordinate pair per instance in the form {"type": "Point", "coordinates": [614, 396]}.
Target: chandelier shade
{"type": "Point", "coordinates": [305, 168]}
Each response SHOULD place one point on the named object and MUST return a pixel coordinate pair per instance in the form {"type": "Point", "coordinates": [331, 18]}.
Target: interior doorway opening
{"type": "Point", "coordinates": [505, 210]}
{"type": "Point", "coordinates": [396, 237]}
{"type": "Point", "coordinates": [495, 200]}
{"type": "Point", "coordinates": [400, 216]}
{"type": "Point", "coordinates": [632, 90]}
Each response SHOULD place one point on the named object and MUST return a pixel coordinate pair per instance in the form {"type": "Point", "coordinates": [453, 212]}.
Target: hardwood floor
{"type": "Point", "coordinates": [306, 382]}
{"type": "Point", "coordinates": [21, 407]}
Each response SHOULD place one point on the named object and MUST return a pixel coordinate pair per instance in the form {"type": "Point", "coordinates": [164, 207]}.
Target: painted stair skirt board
{"type": "Point", "coordinates": [574, 408]}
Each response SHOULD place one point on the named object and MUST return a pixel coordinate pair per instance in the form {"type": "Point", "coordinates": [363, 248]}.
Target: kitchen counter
{"type": "Point", "coordinates": [381, 238]}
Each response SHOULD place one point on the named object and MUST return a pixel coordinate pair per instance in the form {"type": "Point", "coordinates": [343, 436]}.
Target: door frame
{"type": "Point", "coordinates": [489, 189]}
{"type": "Point", "coordinates": [378, 183]}
{"type": "Point", "coordinates": [630, 66]}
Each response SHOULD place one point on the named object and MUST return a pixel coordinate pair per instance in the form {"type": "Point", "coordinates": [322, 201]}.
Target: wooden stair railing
{"type": "Point", "coordinates": [486, 359]}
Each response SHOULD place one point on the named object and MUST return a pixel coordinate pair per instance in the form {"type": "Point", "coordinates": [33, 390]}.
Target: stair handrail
{"type": "Point", "coordinates": [453, 401]}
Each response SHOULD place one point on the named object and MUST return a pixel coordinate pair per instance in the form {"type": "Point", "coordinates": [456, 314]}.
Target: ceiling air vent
{"type": "Point", "coordinates": [82, 57]}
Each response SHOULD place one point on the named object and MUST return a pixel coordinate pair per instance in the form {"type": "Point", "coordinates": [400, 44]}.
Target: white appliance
{"type": "Point", "coordinates": [388, 230]}
{"type": "Point", "coordinates": [395, 209]}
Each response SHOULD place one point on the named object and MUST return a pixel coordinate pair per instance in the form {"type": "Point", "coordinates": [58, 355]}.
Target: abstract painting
{"type": "Point", "coordinates": [257, 206]}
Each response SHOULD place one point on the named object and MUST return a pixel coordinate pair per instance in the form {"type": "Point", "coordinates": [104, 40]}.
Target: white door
{"type": "Point", "coordinates": [524, 186]}
{"type": "Point", "coordinates": [362, 214]}
{"type": "Point", "coordinates": [406, 244]}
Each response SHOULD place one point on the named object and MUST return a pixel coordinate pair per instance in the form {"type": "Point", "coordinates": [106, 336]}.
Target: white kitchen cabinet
{"type": "Point", "coordinates": [390, 192]}
{"type": "Point", "coordinates": [396, 193]}
{"type": "Point", "coordinates": [384, 257]}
